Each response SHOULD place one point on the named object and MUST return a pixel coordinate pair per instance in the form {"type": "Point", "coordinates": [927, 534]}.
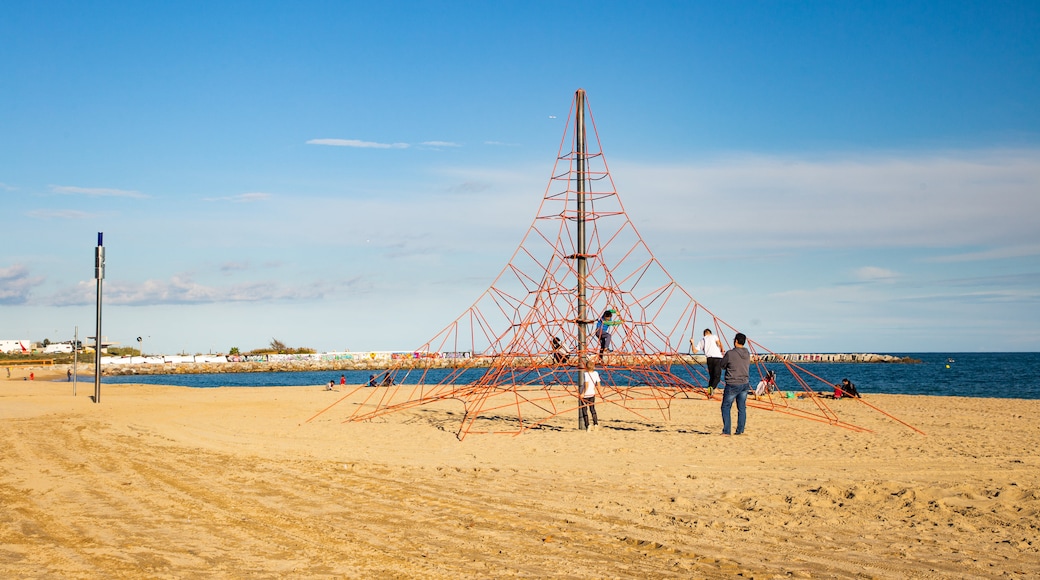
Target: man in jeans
{"type": "Point", "coordinates": [736, 363]}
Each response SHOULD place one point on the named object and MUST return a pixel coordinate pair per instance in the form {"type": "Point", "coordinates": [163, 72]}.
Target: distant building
{"type": "Point", "coordinates": [105, 345]}
{"type": "Point", "coordinates": [16, 346]}
{"type": "Point", "coordinates": [58, 348]}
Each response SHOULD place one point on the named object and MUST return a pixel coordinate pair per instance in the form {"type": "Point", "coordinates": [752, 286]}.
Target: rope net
{"type": "Point", "coordinates": [522, 337]}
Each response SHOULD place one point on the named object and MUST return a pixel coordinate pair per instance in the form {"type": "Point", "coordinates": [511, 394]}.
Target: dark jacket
{"type": "Point", "coordinates": [737, 365]}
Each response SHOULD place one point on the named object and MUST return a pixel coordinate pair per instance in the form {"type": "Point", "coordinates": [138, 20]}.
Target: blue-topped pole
{"type": "Point", "coordinates": [99, 275]}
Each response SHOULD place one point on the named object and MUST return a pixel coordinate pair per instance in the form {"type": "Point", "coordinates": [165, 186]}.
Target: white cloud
{"type": "Point", "coordinates": [242, 197]}
{"type": "Point", "coordinates": [996, 295]}
{"type": "Point", "coordinates": [1003, 253]}
{"type": "Point", "coordinates": [234, 266]}
{"type": "Point", "coordinates": [941, 199]}
{"type": "Point", "coordinates": [70, 214]}
{"type": "Point", "coordinates": [357, 143]}
{"type": "Point", "coordinates": [16, 284]}
{"type": "Point", "coordinates": [182, 289]}
{"type": "Point", "coordinates": [251, 197]}
{"type": "Point", "coordinates": [470, 187]}
{"type": "Point", "coordinates": [874, 274]}
{"type": "Point", "coordinates": [767, 237]}
{"type": "Point", "coordinates": [96, 191]}
{"type": "Point", "coordinates": [7, 187]}
{"type": "Point", "coordinates": [440, 144]}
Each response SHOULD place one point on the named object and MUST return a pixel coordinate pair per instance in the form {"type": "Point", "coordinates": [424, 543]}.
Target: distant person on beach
{"type": "Point", "coordinates": [766, 385]}
{"type": "Point", "coordinates": [587, 404]}
{"type": "Point", "coordinates": [371, 380]}
{"type": "Point", "coordinates": [712, 349]}
{"type": "Point", "coordinates": [559, 351]}
{"type": "Point", "coordinates": [737, 365]}
{"type": "Point", "coordinates": [845, 388]}
{"type": "Point", "coordinates": [343, 379]}
{"type": "Point", "coordinates": [32, 376]}
{"type": "Point", "coordinates": [604, 326]}
{"type": "Point", "coordinates": [388, 380]}
{"type": "Point", "coordinates": [330, 386]}
{"type": "Point", "coordinates": [68, 375]}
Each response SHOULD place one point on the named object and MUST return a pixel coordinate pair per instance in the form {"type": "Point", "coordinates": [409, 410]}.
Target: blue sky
{"type": "Point", "coordinates": [832, 177]}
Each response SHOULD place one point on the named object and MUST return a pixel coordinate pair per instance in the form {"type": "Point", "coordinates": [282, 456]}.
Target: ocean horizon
{"type": "Point", "coordinates": [1010, 375]}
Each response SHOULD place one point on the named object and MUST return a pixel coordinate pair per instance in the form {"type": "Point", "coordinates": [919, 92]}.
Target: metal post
{"type": "Point", "coordinates": [99, 274]}
{"type": "Point", "coordinates": [75, 360]}
{"type": "Point", "coordinates": [580, 147]}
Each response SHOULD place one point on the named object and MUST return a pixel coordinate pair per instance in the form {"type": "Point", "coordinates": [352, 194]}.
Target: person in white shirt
{"type": "Point", "coordinates": [712, 349]}
{"type": "Point", "coordinates": [587, 403]}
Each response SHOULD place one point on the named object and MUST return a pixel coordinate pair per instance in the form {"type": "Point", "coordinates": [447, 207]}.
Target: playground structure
{"type": "Point", "coordinates": [580, 257]}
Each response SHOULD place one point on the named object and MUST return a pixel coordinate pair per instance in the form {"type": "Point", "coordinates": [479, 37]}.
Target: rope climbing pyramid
{"type": "Point", "coordinates": [527, 337]}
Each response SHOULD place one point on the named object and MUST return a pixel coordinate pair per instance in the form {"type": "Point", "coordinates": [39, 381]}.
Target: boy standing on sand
{"type": "Point", "coordinates": [587, 403]}
{"type": "Point", "coordinates": [737, 364]}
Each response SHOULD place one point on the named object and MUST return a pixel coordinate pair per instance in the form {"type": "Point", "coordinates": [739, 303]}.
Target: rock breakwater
{"type": "Point", "coordinates": [147, 368]}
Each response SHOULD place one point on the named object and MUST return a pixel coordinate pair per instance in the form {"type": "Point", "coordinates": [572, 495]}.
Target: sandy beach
{"type": "Point", "coordinates": [173, 482]}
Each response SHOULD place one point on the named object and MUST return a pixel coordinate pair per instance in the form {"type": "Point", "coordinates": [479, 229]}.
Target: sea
{"type": "Point", "coordinates": [1004, 375]}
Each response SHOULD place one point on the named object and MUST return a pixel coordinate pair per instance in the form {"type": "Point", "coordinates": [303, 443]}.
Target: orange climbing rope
{"type": "Point", "coordinates": [512, 326]}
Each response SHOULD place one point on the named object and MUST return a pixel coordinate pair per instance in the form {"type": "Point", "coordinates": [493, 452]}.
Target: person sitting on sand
{"type": "Point", "coordinates": [329, 387]}
{"type": "Point", "coordinates": [372, 380]}
{"type": "Point", "coordinates": [766, 385]}
{"type": "Point", "coordinates": [848, 388]}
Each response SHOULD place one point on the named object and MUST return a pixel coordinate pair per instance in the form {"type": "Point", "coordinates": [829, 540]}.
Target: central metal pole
{"type": "Point", "coordinates": [99, 273]}
{"type": "Point", "coordinates": [580, 149]}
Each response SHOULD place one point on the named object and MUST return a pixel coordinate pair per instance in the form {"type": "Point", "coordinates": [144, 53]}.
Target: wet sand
{"type": "Point", "coordinates": [173, 482]}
